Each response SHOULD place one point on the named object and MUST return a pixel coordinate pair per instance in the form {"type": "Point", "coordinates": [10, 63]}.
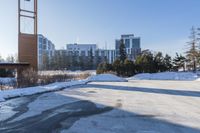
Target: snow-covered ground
{"type": "Point", "coordinates": [7, 80]}
{"type": "Point", "coordinates": [6, 94]}
{"type": "Point", "coordinates": [106, 78]}
{"type": "Point", "coordinates": [138, 107]}
{"type": "Point", "coordinates": [187, 76]}
{"type": "Point", "coordinates": [142, 107]}
{"type": "Point", "coordinates": [59, 72]}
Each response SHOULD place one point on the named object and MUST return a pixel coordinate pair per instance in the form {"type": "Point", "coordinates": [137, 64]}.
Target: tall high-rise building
{"type": "Point", "coordinates": [46, 50]}
{"type": "Point", "coordinates": [132, 45]}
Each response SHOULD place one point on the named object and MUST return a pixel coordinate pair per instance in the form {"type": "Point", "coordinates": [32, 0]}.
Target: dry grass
{"type": "Point", "coordinates": [30, 78]}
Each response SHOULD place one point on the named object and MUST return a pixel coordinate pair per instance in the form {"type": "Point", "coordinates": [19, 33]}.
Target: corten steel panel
{"type": "Point", "coordinates": [28, 50]}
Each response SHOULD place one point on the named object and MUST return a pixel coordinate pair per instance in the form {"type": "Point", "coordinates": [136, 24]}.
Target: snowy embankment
{"type": "Point", "coordinates": [7, 80]}
{"type": "Point", "coordinates": [106, 78]}
{"type": "Point", "coordinates": [57, 86]}
{"type": "Point", "coordinates": [185, 76]}
{"type": "Point", "coordinates": [38, 89]}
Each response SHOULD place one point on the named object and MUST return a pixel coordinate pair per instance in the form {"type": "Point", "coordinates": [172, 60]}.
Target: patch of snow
{"type": "Point", "coordinates": [7, 80]}
{"type": "Point", "coordinates": [38, 89]}
{"type": "Point", "coordinates": [59, 72]}
{"type": "Point", "coordinates": [57, 86]}
{"type": "Point", "coordinates": [198, 79]}
{"type": "Point", "coordinates": [186, 76]}
{"type": "Point", "coordinates": [1, 98]}
{"type": "Point", "coordinates": [106, 78]}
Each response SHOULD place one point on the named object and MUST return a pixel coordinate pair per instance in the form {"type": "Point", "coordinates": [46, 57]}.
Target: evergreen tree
{"type": "Point", "coordinates": [129, 68]}
{"type": "Point", "coordinates": [159, 62]}
{"type": "Point", "coordinates": [145, 62]}
{"type": "Point", "coordinates": [117, 66]}
{"type": "Point", "coordinates": [45, 61]}
{"type": "Point", "coordinates": [91, 59]}
{"type": "Point", "coordinates": [97, 59]}
{"type": "Point", "coordinates": [179, 62]}
{"type": "Point", "coordinates": [122, 51]}
{"type": "Point", "coordinates": [103, 68]}
{"type": "Point", "coordinates": [81, 63]}
{"type": "Point", "coordinates": [168, 62]}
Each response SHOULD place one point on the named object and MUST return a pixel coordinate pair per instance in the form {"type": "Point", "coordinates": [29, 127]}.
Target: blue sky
{"type": "Point", "coordinates": [163, 25]}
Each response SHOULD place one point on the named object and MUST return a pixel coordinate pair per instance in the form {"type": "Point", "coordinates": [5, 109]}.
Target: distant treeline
{"type": "Point", "coordinates": [149, 62]}
{"type": "Point", "coordinates": [146, 62]}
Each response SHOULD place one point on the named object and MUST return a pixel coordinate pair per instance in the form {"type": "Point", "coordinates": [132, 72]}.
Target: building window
{"type": "Point", "coordinates": [127, 43]}
{"type": "Point", "coordinates": [136, 43]}
{"type": "Point", "coordinates": [40, 40]}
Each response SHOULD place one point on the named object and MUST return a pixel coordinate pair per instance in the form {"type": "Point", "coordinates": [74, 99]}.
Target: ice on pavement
{"type": "Point", "coordinates": [188, 76]}
{"type": "Point", "coordinates": [106, 78]}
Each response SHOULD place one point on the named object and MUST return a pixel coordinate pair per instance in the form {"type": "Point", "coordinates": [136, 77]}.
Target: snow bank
{"type": "Point", "coordinates": [198, 79]}
{"type": "Point", "coordinates": [187, 76]}
{"type": "Point", "coordinates": [106, 78]}
{"type": "Point", "coordinates": [39, 89]}
{"type": "Point", "coordinates": [7, 80]}
{"type": "Point", "coordinates": [57, 86]}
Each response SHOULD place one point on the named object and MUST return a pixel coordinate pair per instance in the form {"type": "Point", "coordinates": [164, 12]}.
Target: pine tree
{"type": "Point", "coordinates": [168, 62]}
{"type": "Point", "coordinates": [159, 62]}
{"type": "Point", "coordinates": [122, 51]}
{"type": "Point", "coordinates": [91, 59]}
{"type": "Point", "coordinates": [179, 62]}
{"type": "Point", "coordinates": [129, 68]}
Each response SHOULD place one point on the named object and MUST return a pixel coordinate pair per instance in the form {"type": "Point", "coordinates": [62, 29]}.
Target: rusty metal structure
{"type": "Point", "coordinates": [27, 42]}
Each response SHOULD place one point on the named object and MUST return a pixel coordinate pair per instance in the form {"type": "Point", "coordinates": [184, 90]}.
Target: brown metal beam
{"type": "Point", "coordinates": [22, 10]}
{"type": "Point", "coordinates": [26, 16]}
{"type": "Point", "coordinates": [36, 17]}
{"type": "Point", "coordinates": [19, 20]}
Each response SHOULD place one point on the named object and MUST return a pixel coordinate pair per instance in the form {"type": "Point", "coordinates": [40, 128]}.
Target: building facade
{"type": "Point", "coordinates": [81, 49]}
{"type": "Point", "coordinates": [108, 56]}
{"type": "Point", "coordinates": [132, 45]}
{"type": "Point", "coordinates": [85, 49]}
{"type": "Point", "coordinates": [46, 50]}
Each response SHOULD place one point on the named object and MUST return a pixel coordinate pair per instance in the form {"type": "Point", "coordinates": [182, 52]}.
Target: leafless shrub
{"type": "Point", "coordinates": [111, 72]}
{"type": "Point", "coordinates": [82, 76]}
{"type": "Point", "coordinates": [7, 85]}
{"type": "Point", "coordinates": [1, 85]}
{"type": "Point", "coordinates": [28, 78]}
{"type": "Point", "coordinates": [47, 79]}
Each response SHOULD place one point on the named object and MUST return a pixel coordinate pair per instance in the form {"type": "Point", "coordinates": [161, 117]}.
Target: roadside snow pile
{"type": "Point", "coordinates": [57, 86]}
{"type": "Point", "coordinates": [7, 80]}
{"type": "Point", "coordinates": [39, 89]}
{"type": "Point", "coordinates": [198, 79]}
{"type": "Point", "coordinates": [187, 76]}
{"type": "Point", "coordinates": [106, 78]}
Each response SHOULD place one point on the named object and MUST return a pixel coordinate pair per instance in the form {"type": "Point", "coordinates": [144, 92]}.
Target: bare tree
{"type": "Point", "coordinates": [192, 52]}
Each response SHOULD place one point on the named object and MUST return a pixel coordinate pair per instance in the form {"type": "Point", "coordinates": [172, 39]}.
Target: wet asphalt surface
{"type": "Point", "coordinates": [49, 121]}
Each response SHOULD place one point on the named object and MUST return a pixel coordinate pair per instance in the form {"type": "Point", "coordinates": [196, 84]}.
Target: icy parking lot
{"type": "Point", "coordinates": [137, 106]}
